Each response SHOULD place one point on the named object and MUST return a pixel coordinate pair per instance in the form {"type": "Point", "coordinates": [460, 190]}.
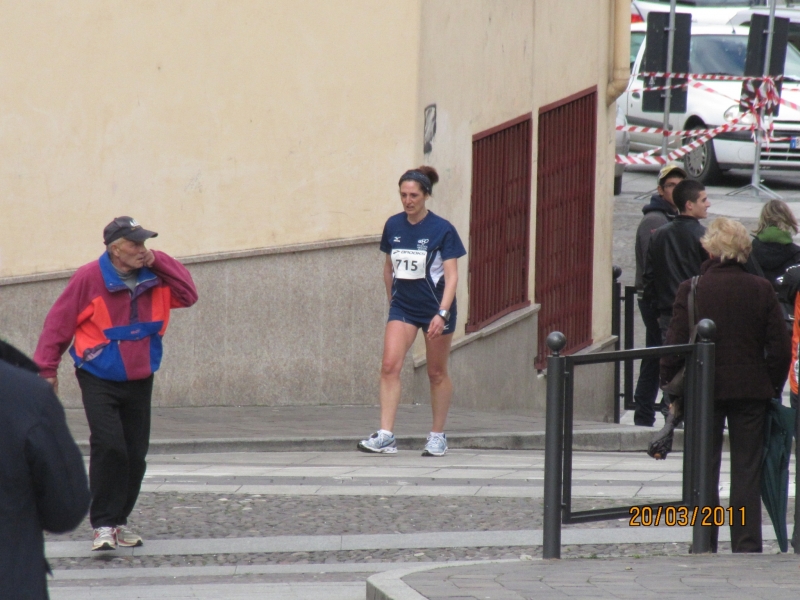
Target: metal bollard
{"type": "Point", "coordinates": [554, 447]}
{"type": "Point", "coordinates": [627, 328]}
{"type": "Point", "coordinates": [704, 359]}
{"type": "Point", "coordinates": [616, 329]}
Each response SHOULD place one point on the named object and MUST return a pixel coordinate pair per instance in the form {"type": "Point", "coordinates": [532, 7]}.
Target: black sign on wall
{"type": "Point", "coordinates": [757, 52]}
{"type": "Point", "coordinates": [655, 60]}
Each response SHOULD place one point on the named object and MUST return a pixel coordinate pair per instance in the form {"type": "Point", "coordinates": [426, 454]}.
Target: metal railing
{"type": "Point", "coordinates": [698, 487]}
{"type": "Point", "coordinates": [623, 329]}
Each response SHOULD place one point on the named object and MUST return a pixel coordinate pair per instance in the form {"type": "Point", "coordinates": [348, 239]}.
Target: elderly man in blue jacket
{"type": "Point", "coordinates": [43, 483]}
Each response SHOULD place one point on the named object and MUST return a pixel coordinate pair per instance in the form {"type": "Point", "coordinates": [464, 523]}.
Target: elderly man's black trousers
{"type": "Point", "coordinates": [118, 413]}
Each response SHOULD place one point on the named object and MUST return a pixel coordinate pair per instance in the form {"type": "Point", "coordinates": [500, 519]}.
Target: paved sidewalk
{"type": "Point", "coordinates": [708, 576]}
{"type": "Point", "coordinates": [337, 428]}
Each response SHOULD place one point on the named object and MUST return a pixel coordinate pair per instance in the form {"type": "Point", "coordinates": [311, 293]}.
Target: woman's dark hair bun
{"type": "Point", "coordinates": [430, 173]}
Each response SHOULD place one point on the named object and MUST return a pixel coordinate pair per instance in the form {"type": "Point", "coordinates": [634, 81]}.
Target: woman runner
{"type": "Point", "coordinates": [421, 275]}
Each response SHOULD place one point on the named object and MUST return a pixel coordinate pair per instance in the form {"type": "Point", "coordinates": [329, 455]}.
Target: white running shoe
{"type": "Point", "coordinates": [126, 537]}
{"type": "Point", "coordinates": [379, 442]}
{"type": "Point", "coordinates": [436, 446]}
{"type": "Point", "coordinates": [105, 538]}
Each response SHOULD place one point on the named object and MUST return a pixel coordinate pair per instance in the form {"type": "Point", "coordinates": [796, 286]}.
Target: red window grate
{"type": "Point", "coordinates": [565, 220]}
{"type": "Point", "coordinates": [499, 229]}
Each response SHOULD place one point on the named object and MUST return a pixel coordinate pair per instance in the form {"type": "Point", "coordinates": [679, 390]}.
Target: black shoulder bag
{"type": "Point", "coordinates": [662, 441]}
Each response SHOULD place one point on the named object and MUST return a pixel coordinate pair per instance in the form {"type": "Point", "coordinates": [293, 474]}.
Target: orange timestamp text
{"type": "Point", "coordinates": [681, 516]}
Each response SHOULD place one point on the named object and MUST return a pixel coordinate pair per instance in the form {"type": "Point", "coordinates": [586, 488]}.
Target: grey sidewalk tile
{"type": "Point", "coordinates": [439, 490]}
{"type": "Point", "coordinates": [280, 490]}
{"type": "Point", "coordinates": [194, 487]}
{"type": "Point", "coordinates": [217, 571]}
{"type": "Point", "coordinates": [235, 591]}
{"type": "Point", "coordinates": [499, 491]}
{"type": "Point", "coordinates": [358, 490]}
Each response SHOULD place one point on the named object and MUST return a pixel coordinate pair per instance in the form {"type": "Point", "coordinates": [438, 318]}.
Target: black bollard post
{"type": "Point", "coordinates": [616, 330]}
{"type": "Point", "coordinates": [704, 361]}
{"type": "Point", "coordinates": [627, 328]}
{"type": "Point", "coordinates": [554, 447]}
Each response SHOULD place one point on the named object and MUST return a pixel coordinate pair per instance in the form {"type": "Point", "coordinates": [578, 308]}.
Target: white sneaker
{"type": "Point", "coordinates": [436, 446]}
{"type": "Point", "coordinates": [126, 537]}
{"type": "Point", "coordinates": [105, 538]}
{"type": "Point", "coordinates": [379, 442]}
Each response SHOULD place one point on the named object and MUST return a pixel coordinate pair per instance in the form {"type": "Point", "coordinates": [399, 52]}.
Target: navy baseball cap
{"type": "Point", "coordinates": [128, 228]}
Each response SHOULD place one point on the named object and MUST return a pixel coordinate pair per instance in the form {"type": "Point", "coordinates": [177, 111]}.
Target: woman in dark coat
{"type": "Point", "coordinates": [773, 247]}
{"type": "Point", "coordinates": [752, 363]}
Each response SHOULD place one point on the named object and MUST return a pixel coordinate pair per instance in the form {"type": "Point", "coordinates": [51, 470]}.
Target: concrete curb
{"type": "Point", "coordinates": [390, 585]}
{"type": "Point", "coordinates": [616, 439]}
{"type": "Point", "coordinates": [399, 541]}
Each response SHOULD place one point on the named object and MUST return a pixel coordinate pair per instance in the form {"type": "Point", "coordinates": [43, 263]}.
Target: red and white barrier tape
{"type": "Point", "coordinates": [704, 76]}
{"type": "Point", "coordinates": [762, 99]}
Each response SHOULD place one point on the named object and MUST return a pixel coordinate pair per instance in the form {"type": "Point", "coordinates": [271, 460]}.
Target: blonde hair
{"type": "Point", "coordinates": [777, 213]}
{"type": "Point", "coordinates": [727, 239]}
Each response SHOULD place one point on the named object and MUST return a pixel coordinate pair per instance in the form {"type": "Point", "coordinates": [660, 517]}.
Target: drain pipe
{"type": "Point", "coordinates": [621, 72]}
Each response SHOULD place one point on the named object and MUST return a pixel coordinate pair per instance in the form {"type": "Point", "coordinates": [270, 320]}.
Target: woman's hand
{"type": "Point", "coordinates": [436, 327]}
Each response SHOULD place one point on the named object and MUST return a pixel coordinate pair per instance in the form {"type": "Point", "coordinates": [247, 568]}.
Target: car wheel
{"type": "Point", "coordinates": [617, 185]}
{"type": "Point", "coordinates": [701, 163]}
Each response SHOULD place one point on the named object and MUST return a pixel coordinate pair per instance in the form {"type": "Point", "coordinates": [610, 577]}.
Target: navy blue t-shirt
{"type": "Point", "coordinates": [418, 253]}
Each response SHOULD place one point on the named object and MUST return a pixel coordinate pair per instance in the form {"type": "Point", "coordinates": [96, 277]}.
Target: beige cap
{"type": "Point", "coordinates": [670, 169]}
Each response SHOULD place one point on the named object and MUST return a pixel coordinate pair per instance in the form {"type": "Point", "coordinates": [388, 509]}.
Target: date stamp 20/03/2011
{"type": "Point", "coordinates": [681, 516]}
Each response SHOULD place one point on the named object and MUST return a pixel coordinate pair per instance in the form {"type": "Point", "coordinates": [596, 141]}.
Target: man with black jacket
{"type": "Point", "coordinates": [675, 254]}
{"type": "Point", "coordinates": [660, 211]}
{"type": "Point", "coordinates": [43, 483]}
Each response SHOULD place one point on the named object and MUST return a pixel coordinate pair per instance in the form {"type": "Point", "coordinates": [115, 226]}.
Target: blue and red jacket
{"type": "Point", "coordinates": [115, 333]}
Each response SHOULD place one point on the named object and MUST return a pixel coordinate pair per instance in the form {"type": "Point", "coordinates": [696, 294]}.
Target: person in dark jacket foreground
{"type": "Point", "coordinates": [751, 366]}
{"type": "Point", "coordinates": [43, 483]}
{"type": "Point", "coordinates": [660, 211]}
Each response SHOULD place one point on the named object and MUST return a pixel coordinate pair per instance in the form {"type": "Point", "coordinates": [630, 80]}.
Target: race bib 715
{"type": "Point", "coordinates": [409, 264]}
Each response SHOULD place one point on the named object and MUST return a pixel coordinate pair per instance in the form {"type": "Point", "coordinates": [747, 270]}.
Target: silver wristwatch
{"type": "Point", "coordinates": [445, 314]}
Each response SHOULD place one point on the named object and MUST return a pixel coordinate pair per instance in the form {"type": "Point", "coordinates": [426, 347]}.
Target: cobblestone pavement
{"type": "Point", "coordinates": [304, 497]}
{"type": "Point", "coordinates": [201, 516]}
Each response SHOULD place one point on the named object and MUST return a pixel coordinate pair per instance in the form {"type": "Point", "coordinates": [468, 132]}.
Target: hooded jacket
{"type": "Point", "coordinates": [659, 212]}
{"type": "Point", "coordinates": [117, 333]}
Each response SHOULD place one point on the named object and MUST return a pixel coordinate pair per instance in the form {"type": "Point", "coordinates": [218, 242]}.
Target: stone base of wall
{"type": "Point", "coordinates": [493, 370]}
{"type": "Point", "coordinates": [302, 327]}
{"type": "Point", "coordinates": [305, 327]}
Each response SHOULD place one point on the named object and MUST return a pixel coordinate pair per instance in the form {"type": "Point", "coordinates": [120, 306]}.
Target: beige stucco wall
{"type": "Point", "coordinates": [485, 62]}
{"type": "Point", "coordinates": [473, 59]}
{"type": "Point", "coordinates": [565, 63]}
{"type": "Point", "coordinates": [265, 123]}
{"type": "Point", "coordinates": [223, 125]}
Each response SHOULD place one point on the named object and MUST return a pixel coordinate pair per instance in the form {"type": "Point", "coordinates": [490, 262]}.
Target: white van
{"type": "Point", "coordinates": [719, 50]}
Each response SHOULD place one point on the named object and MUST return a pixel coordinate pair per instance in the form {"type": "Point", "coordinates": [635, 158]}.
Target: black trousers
{"type": "Point", "coordinates": [647, 386]}
{"type": "Point", "coordinates": [119, 426]}
{"type": "Point", "coordinates": [746, 432]}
